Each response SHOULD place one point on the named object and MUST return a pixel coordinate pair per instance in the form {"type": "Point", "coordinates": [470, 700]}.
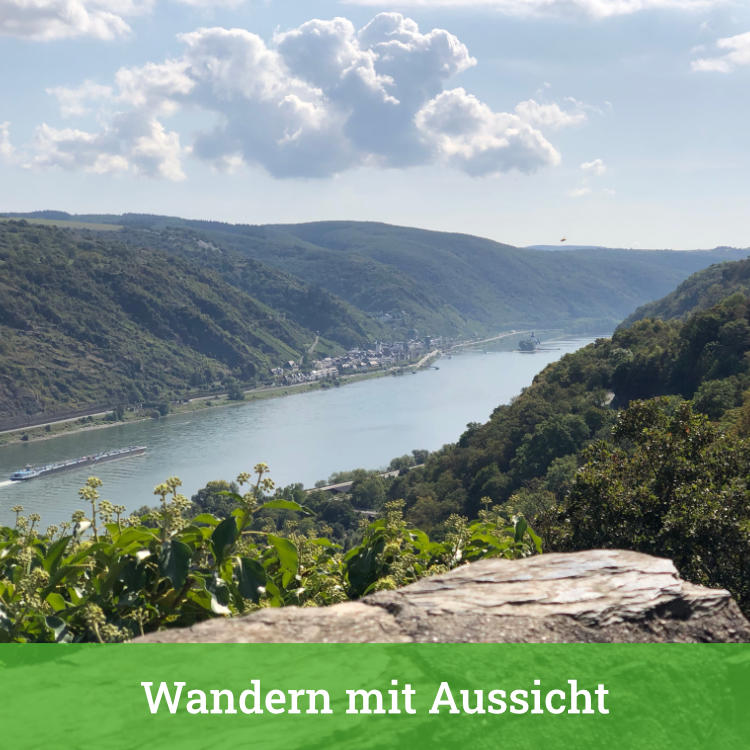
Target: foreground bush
{"type": "Point", "coordinates": [668, 483]}
{"type": "Point", "coordinates": [107, 578]}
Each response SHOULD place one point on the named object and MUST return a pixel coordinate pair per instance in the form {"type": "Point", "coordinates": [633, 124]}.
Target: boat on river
{"type": "Point", "coordinates": [32, 472]}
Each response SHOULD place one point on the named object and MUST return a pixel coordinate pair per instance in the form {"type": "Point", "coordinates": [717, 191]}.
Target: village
{"type": "Point", "coordinates": [382, 357]}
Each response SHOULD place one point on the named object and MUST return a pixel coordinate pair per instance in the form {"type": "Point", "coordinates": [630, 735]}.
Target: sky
{"type": "Point", "coordinates": [607, 122]}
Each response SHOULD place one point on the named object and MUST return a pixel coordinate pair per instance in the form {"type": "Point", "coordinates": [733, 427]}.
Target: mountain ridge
{"type": "Point", "coordinates": [416, 281]}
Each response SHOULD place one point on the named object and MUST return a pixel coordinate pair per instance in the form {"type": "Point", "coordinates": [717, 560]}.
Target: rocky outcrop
{"type": "Point", "coordinates": [592, 596]}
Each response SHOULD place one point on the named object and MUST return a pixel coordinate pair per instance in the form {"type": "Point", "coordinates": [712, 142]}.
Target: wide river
{"type": "Point", "coordinates": [302, 437]}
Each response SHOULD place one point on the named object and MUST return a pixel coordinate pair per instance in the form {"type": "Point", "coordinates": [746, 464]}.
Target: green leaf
{"type": "Point", "coordinates": [191, 535]}
{"type": "Point", "coordinates": [201, 597]}
{"type": "Point", "coordinates": [419, 539]}
{"type": "Point", "coordinates": [327, 543]}
{"type": "Point", "coordinates": [174, 562]}
{"type": "Point", "coordinates": [536, 539]}
{"type": "Point", "coordinates": [288, 557]}
{"type": "Point", "coordinates": [224, 536]}
{"type": "Point", "coordinates": [521, 527]}
{"type": "Point", "coordinates": [274, 595]}
{"type": "Point", "coordinates": [54, 553]}
{"type": "Point", "coordinates": [250, 576]}
{"type": "Point", "coordinates": [207, 518]}
{"type": "Point", "coordinates": [56, 601]}
{"type": "Point", "coordinates": [233, 495]}
{"type": "Point", "coordinates": [134, 538]}
{"type": "Point", "coordinates": [285, 505]}
{"type": "Point", "coordinates": [361, 564]}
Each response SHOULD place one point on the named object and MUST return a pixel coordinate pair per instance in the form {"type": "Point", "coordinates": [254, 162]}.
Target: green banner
{"type": "Point", "coordinates": [375, 696]}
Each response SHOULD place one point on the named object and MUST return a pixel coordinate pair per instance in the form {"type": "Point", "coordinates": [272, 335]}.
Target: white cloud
{"type": "Point", "coordinates": [44, 20]}
{"type": "Point", "coordinates": [736, 53]}
{"type": "Point", "coordinates": [590, 8]}
{"type": "Point", "coordinates": [72, 101]}
{"type": "Point", "coordinates": [7, 152]}
{"type": "Point", "coordinates": [548, 115]}
{"type": "Point", "coordinates": [153, 85]}
{"type": "Point", "coordinates": [319, 99]}
{"type": "Point", "coordinates": [143, 148]}
{"type": "Point", "coordinates": [596, 167]}
{"type": "Point", "coordinates": [579, 192]}
{"type": "Point", "coordinates": [469, 135]}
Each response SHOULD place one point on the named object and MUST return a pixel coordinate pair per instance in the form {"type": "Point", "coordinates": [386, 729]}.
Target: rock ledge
{"type": "Point", "coordinates": [593, 596]}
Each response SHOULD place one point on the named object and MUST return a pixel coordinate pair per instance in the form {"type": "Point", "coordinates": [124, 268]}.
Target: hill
{"type": "Point", "coordinates": [457, 284]}
{"type": "Point", "coordinates": [307, 304]}
{"type": "Point", "coordinates": [641, 441]}
{"type": "Point", "coordinates": [699, 292]}
{"type": "Point", "coordinates": [87, 319]}
{"type": "Point", "coordinates": [439, 283]}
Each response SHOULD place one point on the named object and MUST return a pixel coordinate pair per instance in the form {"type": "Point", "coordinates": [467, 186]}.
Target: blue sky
{"type": "Point", "coordinates": [618, 122]}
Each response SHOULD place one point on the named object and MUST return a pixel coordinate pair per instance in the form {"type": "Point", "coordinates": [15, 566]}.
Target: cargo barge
{"type": "Point", "coordinates": [32, 472]}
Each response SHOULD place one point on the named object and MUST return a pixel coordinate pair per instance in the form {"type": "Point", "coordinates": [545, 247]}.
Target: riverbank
{"type": "Point", "coordinates": [102, 420]}
{"type": "Point", "coordinates": [303, 440]}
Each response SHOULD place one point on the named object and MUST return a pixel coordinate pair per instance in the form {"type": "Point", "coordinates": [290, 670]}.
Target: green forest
{"type": "Point", "coordinates": [436, 283]}
{"type": "Point", "coordinates": [641, 441]}
{"type": "Point", "coordinates": [86, 319]}
{"type": "Point", "coordinates": [105, 312]}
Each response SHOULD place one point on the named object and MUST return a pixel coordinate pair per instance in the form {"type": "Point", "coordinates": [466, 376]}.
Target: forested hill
{"type": "Point", "coordinates": [641, 441]}
{"type": "Point", "coordinates": [86, 319]}
{"type": "Point", "coordinates": [457, 284]}
{"type": "Point", "coordinates": [699, 292]}
{"type": "Point", "coordinates": [431, 282]}
{"type": "Point", "coordinates": [308, 304]}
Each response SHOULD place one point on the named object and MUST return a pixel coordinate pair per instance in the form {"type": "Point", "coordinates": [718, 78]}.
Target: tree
{"type": "Point", "coordinates": [368, 493]}
{"type": "Point", "coordinates": [714, 397]}
{"type": "Point", "coordinates": [234, 390]}
{"type": "Point", "coordinates": [554, 437]}
{"type": "Point", "coordinates": [670, 484]}
{"type": "Point", "coordinates": [211, 499]}
{"type": "Point", "coordinates": [401, 462]}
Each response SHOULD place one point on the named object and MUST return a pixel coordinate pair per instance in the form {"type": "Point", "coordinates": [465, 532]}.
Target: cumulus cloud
{"type": "Point", "coordinates": [72, 101]}
{"type": "Point", "coordinates": [579, 192]}
{"type": "Point", "coordinates": [735, 53]}
{"type": "Point", "coordinates": [44, 20]}
{"type": "Point", "coordinates": [589, 8]}
{"type": "Point", "coordinates": [596, 167]}
{"type": "Point", "coordinates": [317, 100]}
{"type": "Point", "coordinates": [469, 135]}
{"type": "Point", "coordinates": [143, 147]}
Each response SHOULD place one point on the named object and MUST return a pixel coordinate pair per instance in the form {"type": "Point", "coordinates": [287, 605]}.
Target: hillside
{"type": "Point", "coordinates": [157, 305]}
{"type": "Point", "coordinates": [699, 292]}
{"type": "Point", "coordinates": [457, 284]}
{"type": "Point", "coordinates": [85, 319]}
{"type": "Point", "coordinates": [309, 305]}
{"type": "Point", "coordinates": [641, 441]}
{"type": "Point", "coordinates": [435, 282]}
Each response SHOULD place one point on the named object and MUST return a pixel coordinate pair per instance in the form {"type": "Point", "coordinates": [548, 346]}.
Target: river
{"type": "Point", "coordinates": [302, 437]}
